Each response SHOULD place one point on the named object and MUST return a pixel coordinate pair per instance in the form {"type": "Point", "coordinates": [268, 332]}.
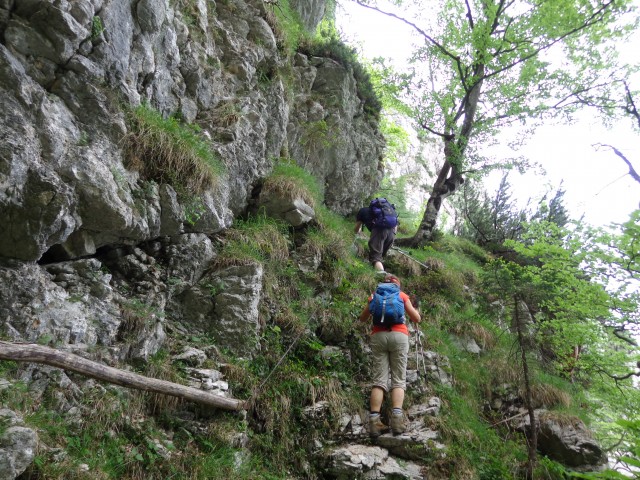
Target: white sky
{"type": "Point", "coordinates": [594, 180]}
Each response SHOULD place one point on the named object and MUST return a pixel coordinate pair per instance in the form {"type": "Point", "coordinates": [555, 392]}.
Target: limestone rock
{"type": "Point", "coordinates": [431, 408]}
{"type": "Point", "coordinates": [430, 365]}
{"type": "Point", "coordinates": [191, 356]}
{"type": "Point", "coordinates": [294, 211]}
{"type": "Point", "coordinates": [64, 185]}
{"type": "Point", "coordinates": [570, 444]}
{"type": "Point", "coordinates": [328, 146]}
{"type": "Point", "coordinates": [414, 444]}
{"type": "Point", "coordinates": [236, 321]}
{"type": "Point", "coordinates": [310, 12]}
{"type": "Point", "coordinates": [18, 445]}
{"type": "Point", "coordinates": [564, 439]}
{"type": "Point", "coordinates": [35, 305]}
{"type": "Point", "coordinates": [207, 379]}
{"type": "Point", "coordinates": [368, 462]}
{"type": "Point", "coordinates": [467, 344]}
{"type": "Point", "coordinates": [188, 257]}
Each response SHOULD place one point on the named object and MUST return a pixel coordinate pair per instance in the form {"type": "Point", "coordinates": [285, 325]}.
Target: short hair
{"type": "Point", "coordinates": [388, 278]}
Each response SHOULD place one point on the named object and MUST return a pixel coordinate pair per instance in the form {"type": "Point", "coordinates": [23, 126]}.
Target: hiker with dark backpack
{"type": "Point", "coordinates": [388, 306]}
{"type": "Point", "coordinates": [381, 220]}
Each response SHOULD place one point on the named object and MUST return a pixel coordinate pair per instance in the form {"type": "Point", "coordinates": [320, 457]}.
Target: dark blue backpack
{"type": "Point", "coordinates": [386, 306]}
{"type": "Point", "coordinates": [383, 213]}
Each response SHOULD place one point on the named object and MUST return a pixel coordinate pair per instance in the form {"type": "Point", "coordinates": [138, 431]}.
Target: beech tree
{"type": "Point", "coordinates": [488, 64]}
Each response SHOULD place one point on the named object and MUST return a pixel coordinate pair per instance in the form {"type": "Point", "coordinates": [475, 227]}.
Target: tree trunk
{"type": "Point", "coordinates": [532, 442]}
{"type": "Point", "coordinates": [449, 177]}
{"type": "Point", "coordinates": [38, 354]}
{"type": "Point", "coordinates": [446, 184]}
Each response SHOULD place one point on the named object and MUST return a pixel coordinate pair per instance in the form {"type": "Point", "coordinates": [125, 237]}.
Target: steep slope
{"type": "Point", "coordinates": [174, 177]}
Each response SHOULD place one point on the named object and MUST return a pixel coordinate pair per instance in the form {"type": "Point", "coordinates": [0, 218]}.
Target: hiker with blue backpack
{"type": "Point", "coordinates": [388, 306]}
{"type": "Point", "coordinates": [381, 220]}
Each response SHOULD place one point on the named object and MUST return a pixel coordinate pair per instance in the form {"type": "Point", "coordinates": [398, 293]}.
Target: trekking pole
{"type": "Point", "coordinates": [419, 351]}
{"type": "Point", "coordinates": [424, 364]}
{"type": "Point", "coordinates": [409, 256]}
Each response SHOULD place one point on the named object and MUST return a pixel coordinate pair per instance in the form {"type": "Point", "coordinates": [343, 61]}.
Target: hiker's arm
{"type": "Point", "coordinates": [364, 316]}
{"type": "Point", "coordinates": [414, 315]}
{"type": "Point", "coordinates": [358, 227]}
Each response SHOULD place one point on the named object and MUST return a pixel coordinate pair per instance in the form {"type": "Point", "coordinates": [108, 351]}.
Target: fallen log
{"type": "Point", "coordinates": [32, 353]}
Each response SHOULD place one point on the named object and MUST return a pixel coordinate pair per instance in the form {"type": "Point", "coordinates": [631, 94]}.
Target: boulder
{"type": "Point", "coordinates": [570, 443]}
{"type": "Point", "coordinates": [18, 445]}
{"type": "Point", "coordinates": [367, 462]}
{"type": "Point", "coordinates": [295, 212]}
{"type": "Point", "coordinates": [565, 439]}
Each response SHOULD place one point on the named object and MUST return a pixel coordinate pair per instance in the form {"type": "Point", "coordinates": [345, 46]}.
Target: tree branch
{"type": "Point", "coordinates": [631, 106]}
{"type": "Point", "coordinates": [617, 378]}
{"type": "Point", "coordinates": [618, 333]}
{"type": "Point", "coordinates": [426, 127]}
{"type": "Point", "coordinates": [32, 353]}
{"type": "Point", "coordinates": [424, 34]}
{"type": "Point", "coordinates": [592, 20]}
{"type": "Point", "coordinates": [632, 170]}
{"type": "Point", "coordinates": [469, 15]}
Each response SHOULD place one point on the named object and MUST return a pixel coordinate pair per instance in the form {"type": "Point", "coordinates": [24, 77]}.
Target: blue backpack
{"type": "Point", "coordinates": [386, 306]}
{"type": "Point", "coordinates": [383, 213]}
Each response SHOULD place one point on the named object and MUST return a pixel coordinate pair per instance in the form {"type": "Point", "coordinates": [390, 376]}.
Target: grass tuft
{"type": "Point", "coordinates": [166, 151]}
{"type": "Point", "coordinates": [291, 181]}
{"type": "Point", "coordinates": [548, 396]}
{"type": "Point", "coordinates": [254, 240]}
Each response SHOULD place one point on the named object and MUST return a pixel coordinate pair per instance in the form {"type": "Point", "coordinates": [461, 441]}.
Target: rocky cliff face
{"type": "Point", "coordinates": [69, 71]}
{"type": "Point", "coordinates": [95, 256]}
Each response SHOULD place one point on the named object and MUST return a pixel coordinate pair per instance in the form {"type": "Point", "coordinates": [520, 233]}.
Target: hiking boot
{"type": "Point", "coordinates": [398, 425]}
{"type": "Point", "coordinates": [376, 427]}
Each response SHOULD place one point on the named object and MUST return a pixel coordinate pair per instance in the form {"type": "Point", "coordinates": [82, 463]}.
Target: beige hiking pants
{"type": "Point", "coordinates": [390, 352]}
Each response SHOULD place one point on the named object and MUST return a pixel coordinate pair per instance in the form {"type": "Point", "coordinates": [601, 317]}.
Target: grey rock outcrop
{"type": "Point", "coordinates": [236, 319]}
{"type": "Point", "coordinates": [566, 440]}
{"type": "Point", "coordinates": [325, 140]}
{"type": "Point", "coordinates": [391, 456]}
{"type": "Point", "coordinates": [17, 445]}
{"type": "Point", "coordinates": [73, 304]}
{"type": "Point", "coordinates": [311, 12]}
{"type": "Point", "coordinates": [368, 462]}
{"type": "Point", "coordinates": [466, 344]}
{"type": "Point", "coordinates": [570, 444]}
{"type": "Point", "coordinates": [66, 68]}
{"type": "Point", "coordinates": [295, 212]}
{"type": "Point", "coordinates": [425, 364]}
{"type": "Point", "coordinates": [224, 305]}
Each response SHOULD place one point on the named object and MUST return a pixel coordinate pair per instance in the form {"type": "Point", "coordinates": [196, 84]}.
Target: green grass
{"type": "Point", "coordinates": [257, 239]}
{"type": "Point", "coordinates": [167, 151]}
{"type": "Point", "coordinates": [286, 25]}
{"type": "Point", "coordinates": [291, 182]}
